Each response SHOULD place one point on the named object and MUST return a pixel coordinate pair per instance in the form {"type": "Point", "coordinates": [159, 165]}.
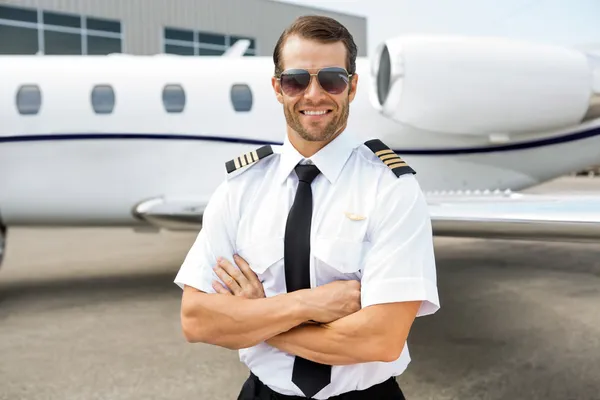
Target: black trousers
{"type": "Point", "coordinates": [254, 389]}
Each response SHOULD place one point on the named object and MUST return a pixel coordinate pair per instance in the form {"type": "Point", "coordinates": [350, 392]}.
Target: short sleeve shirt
{"type": "Point", "coordinates": [368, 225]}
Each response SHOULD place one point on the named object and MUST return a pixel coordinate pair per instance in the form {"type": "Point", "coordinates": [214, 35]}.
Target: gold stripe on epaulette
{"type": "Point", "coordinates": [399, 164]}
{"type": "Point", "coordinates": [393, 161]}
{"type": "Point", "coordinates": [388, 156]}
{"type": "Point", "coordinates": [381, 152]}
{"type": "Point", "coordinates": [248, 158]}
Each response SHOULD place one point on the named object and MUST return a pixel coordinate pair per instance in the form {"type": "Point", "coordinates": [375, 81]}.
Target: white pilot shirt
{"type": "Point", "coordinates": [390, 251]}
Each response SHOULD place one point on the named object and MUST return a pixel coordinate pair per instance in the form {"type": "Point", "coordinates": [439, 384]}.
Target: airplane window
{"type": "Point", "coordinates": [103, 99]}
{"type": "Point", "coordinates": [29, 99]}
{"type": "Point", "coordinates": [241, 97]}
{"type": "Point", "coordinates": [173, 98]}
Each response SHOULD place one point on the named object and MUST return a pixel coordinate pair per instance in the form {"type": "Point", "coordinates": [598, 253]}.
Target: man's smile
{"type": "Point", "coordinates": [315, 114]}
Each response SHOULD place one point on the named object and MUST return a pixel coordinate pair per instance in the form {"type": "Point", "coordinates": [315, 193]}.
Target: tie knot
{"type": "Point", "coordinates": [307, 173]}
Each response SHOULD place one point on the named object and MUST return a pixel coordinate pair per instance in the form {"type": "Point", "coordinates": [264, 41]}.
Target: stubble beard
{"type": "Point", "coordinates": [327, 133]}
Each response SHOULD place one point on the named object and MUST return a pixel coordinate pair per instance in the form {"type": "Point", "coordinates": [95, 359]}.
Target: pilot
{"type": "Point", "coordinates": [316, 256]}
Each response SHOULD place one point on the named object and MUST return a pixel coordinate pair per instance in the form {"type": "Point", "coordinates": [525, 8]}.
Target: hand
{"type": "Point", "coordinates": [241, 282]}
{"type": "Point", "coordinates": [334, 300]}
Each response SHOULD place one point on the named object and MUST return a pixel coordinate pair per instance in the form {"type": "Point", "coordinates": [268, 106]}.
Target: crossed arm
{"type": "Point", "coordinates": [241, 316]}
{"type": "Point", "coordinates": [375, 333]}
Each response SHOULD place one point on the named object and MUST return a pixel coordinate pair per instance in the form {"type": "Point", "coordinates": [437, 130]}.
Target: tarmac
{"type": "Point", "coordinates": [93, 314]}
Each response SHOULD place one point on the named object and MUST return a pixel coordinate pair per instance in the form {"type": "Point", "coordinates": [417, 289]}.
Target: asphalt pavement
{"type": "Point", "coordinates": [93, 314]}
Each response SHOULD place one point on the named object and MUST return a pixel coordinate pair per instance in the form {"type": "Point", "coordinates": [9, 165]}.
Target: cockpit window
{"type": "Point", "coordinates": [103, 99]}
{"type": "Point", "coordinates": [173, 97]}
{"type": "Point", "coordinates": [29, 99]}
{"type": "Point", "coordinates": [241, 97]}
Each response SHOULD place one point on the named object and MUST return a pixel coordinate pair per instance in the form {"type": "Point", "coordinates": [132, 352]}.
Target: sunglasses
{"type": "Point", "coordinates": [333, 80]}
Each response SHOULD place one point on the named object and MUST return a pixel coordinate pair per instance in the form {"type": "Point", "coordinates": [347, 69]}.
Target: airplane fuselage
{"type": "Point", "coordinates": [68, 165]}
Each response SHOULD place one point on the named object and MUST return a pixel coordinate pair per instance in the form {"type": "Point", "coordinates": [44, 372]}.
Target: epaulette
{"type": "Point", "coordinates": [389, 158]}
{"type": "Point", "coordinates": [249, 158]}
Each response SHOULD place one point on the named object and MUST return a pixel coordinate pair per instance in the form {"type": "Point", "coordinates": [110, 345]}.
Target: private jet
{"type": "Point", "coordinates": [142, 141]}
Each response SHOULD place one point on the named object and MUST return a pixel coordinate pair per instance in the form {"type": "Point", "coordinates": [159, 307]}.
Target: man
{"type": "Point", "coordinates": [314, 257]}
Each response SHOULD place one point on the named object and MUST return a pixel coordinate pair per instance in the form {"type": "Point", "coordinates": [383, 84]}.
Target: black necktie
{"type": "Point", "coordinates": [309, 376]}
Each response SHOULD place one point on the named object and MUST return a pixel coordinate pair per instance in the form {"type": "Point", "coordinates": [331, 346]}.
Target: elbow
{"type": "Point", "coordinates": [375, 348]}
{"type": "Point", "coordinates": [389, 350]}
{"type": "Point", "coordinates": [199, 325]}
{"type": "Point", "coordinates": [194, 327]}
{"type": "Point", "coordinates": [390, 355]}
{"type": "Point", "coordinates": [378, 347]}
{"type": "Point", "coordinates": [377, 353]}
{"type": "Point", "coordinates": [192, 330]}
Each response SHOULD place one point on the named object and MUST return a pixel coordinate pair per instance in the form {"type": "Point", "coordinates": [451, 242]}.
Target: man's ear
{"type": "Point", "coordinates": [352, 87]}
{"type": "Point", "coordinates": [277, 88]}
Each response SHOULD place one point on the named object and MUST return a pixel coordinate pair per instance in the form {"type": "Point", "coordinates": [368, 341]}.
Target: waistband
{"type": "Point", "coordinates": [379, 390]}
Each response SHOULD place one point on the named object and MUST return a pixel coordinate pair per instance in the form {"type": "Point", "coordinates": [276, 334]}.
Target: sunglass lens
{"type": "Point", "coordinates": [294, 82]}
{"type": "Point", "coordinates": [334, 80]}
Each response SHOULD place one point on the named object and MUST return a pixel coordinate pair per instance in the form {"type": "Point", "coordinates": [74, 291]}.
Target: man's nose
{"type": "Point", "coordinates": [314, 89]}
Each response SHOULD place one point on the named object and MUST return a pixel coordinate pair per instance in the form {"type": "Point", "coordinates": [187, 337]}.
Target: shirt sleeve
{"type": "Point", "coordinates": [215, 239]}
{"type": "Point", "coordinates": [400, 264]}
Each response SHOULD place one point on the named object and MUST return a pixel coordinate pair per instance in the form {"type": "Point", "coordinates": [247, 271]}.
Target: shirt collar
{"type": "Point", "coordinates": [330, 159]}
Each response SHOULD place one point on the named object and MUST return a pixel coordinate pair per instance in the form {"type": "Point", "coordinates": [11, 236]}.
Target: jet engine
{"type": "Point", "coordinates": [483, 86]}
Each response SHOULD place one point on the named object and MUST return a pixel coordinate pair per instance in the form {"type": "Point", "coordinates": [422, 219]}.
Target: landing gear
{"type": "Point", "coordinates": [2, 242]}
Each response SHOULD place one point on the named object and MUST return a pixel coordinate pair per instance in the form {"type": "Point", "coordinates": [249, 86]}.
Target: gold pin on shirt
{"type": "Point", "coordinates": [355, 217]}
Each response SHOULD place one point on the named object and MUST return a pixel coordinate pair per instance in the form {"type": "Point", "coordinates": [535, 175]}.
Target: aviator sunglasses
{"type": "Point", "coordinates": [333, 80]}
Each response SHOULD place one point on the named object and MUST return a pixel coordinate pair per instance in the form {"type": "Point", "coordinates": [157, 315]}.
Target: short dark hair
{"type": "Point", "coordinates": [321, 29]}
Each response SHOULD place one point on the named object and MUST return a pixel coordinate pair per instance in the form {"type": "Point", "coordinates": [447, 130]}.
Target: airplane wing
{"type": "Point", "coordinates": [503, 215]}
{"type": "Point", "coordinates": [517, 216]}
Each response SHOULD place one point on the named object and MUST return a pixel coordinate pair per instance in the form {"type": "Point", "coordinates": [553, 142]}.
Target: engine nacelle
{"type": "Point", "coordinates": [481, 86]}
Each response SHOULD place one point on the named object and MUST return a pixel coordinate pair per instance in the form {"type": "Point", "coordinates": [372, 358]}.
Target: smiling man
{"type": "Point", "coordinates": [315, 257]}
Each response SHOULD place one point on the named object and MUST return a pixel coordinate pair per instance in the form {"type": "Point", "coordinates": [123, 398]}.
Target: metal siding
{"type": "Point", "coordinates": [142, 21]}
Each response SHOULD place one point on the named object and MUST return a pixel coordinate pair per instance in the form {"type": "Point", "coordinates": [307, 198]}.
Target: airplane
{"type": "Point", "coordinates": [141, 141]}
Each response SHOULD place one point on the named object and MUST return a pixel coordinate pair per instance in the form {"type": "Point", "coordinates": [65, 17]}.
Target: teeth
{"type": "Point", "coordinates": [315, 112]}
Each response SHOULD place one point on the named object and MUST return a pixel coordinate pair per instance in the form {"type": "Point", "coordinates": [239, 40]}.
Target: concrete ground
{"type": "Point", "coordinates": [93, 314]}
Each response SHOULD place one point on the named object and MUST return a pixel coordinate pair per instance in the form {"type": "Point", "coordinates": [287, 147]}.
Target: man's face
{"type": "Point", "coordinates": [315, 114]}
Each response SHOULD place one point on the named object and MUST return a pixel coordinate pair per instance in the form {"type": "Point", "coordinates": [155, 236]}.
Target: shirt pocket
{"type": "Point", "coordinates": [265, 258]}
{"type": "Point", "coordinates": [339, 258]}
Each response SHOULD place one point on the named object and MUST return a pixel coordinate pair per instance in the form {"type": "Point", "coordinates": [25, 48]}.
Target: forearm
{"type": "Point", "coordinates": [365, 336]}
{"type": "Point", "coordinates": [235, 322]}
{"type": "Point", "coordinates": [319, 343]}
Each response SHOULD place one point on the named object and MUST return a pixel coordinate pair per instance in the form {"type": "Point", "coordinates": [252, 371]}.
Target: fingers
{"type": "Point", "coordinates": [240, 280]}
{"type": "Point", "coordinates": [246, 270]}
{"type": "Point", "coordinates": [220, 288]}
{"type": "Point", "coordinates": [234, 272]}
{"type": "Point", "coordinates": [229, 277]}
{"type": "Point", "coordinates": [257, 288]}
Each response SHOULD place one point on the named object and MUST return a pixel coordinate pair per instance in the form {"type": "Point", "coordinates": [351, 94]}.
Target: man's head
{"type": "Point", "coordinates": [316, 107]}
